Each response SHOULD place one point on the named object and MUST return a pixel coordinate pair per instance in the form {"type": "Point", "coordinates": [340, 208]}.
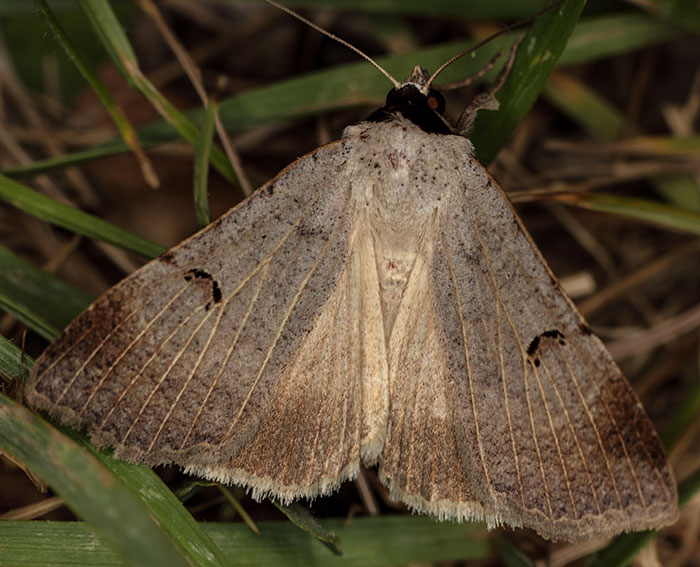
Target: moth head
{"type": "Point", "coordinates": [415, 101]}
{"type": "Point", "coordinates": [416, 90]}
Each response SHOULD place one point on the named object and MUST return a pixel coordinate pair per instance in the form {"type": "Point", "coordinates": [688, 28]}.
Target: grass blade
{"type": "Point", "coordinates": [118, 117]}
{"type": "Point", "coordinates": [29, 318]}
{"type": "Point", "coordinates": [583, 105]}
{"type": "Point", "coordinates": [110, 31]}
{"type": "Point", "coordinates": [667, 216]}
{"type": "Point", "coordinates": [511, 555]}
{"type": "Point", "coordinates": [175, 523]}
{"type": "Point", "coordinates": [41, 292]}
{"type": "Point", "coordinates": [201, 165]}
{"type": "Point", "coordinates": [49, 210]}
{"type": "Point", "coordinates": [86, 486]}
{"type": "Point", "coordinates": [12, 362]}
{"type": "Point", "coordinates": [541, 48]}
{"type": "Point", "coordinates": [329, 90]}
{"type": "Point", "coordinates": [603, 122]}
{"type": "Point", "coordinates": [378, 542]}
{"type": "Point", "coordinates": [303, 519]}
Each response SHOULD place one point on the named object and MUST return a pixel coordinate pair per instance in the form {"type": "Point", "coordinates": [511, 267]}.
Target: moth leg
{"type": "Point", "coordinates": [487, 100]}
{"type": "Point", "coordinates": [473, 77]}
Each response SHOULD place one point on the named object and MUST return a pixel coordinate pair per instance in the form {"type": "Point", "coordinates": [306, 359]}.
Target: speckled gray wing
{"type": "Point", "coordinates": [513, 411]}
{"type": "Point", "coordinates": [214, 356]}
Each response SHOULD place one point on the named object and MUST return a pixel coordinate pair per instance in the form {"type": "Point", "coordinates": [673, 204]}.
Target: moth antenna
{"type": "Point", "coordinates": [309, 23]}
{"type": "Point", "coordinates": [493, 36]}
{"type": "Point", "coordinates": [445, 87]}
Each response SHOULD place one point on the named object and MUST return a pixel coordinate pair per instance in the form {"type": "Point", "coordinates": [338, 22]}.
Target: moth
{"type": "Point", "coordinates": [378, 302]}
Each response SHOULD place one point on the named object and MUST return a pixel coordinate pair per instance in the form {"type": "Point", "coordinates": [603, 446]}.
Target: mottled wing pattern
{"type": "Point", "coordinates": [214, 356]}
{"type": "Point", "coordinates": [516, 412]}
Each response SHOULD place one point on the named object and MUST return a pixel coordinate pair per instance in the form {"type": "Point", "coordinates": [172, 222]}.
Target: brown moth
{"type": "Point", "coordinates": [377, 302]}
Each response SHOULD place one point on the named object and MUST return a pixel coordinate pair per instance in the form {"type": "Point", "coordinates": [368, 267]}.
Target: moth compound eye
{"type": "Point", "coordinates": [393, 98]}
{"type": "Point", "coordinates": [436, 101]}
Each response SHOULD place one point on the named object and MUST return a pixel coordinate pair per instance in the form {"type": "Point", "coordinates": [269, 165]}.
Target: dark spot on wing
{"type": "Point", "coordinates": [532, 347]}
{"type": "Point", "coordinates": [537, 341]}
{"type": "Point", "coordinates": [585, 329]}
{"type": "Point", "coordinates": [196, 273]}
{"type": "Point", "coordinates": [216, 291]}
{"type": "Point", "coordinates": [167, 257]}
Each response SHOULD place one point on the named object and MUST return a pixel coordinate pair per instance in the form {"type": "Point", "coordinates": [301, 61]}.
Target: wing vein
{"type": "Point", "coordinates": [596, 430]}
{"type": "Point", "coordinates": [516, 457]}
{"type": "Point", "coordinates": [556, 441]}
{"type": "Point", "coordinates": [145, 364]}
{"type": "Point", "coordinates": [469, 372]}
{"type": "Point", "coordinates": [174, 361]}
{"type": "Point", "coordinates": [524, 366]}
{"type": "Point", "coordinates": [304, 282]}
{"type": "Point", "coordinates": [575, 437]}
{"type": "Point", "coordinates": [108, 336]}
{"type": "Point", "coordinates": [624, 448]}
{"type": "Point", "coordinates": [229, 352]}
{"type": "Point", "coordinates": [97, 386]}
{"type": "Point", "coordinates": [176, 402]}
{"type": "Point", "coordinates": [525, 274]}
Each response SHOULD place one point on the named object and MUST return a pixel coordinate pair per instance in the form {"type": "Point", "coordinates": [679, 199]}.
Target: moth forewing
{"type": "Point", "coordinates": [202, 358]}
{"type": "Point", "coordinates": [585, 459]}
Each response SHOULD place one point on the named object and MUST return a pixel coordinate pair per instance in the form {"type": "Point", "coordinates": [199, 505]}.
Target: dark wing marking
{"type": "Point", "coordinates": [214, 356]}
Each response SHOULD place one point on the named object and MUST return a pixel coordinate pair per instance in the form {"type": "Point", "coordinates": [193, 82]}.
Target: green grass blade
{"type": "Point", "coordinates": [236, 505]}
{"type": "Point", "coordinates": [603, 122]}
{"type": "Point", "coordinates": [29, 318]}
{"type": "Point", "coordinates": [511, 555]}
{"type": "Point", "coordinates": [173, 517]}
{"type": "Point", "coordinates": [303, 519]}
{"type": "Point", "coordinates": [106, 25]}
{"type": "Point", "coordinates": [683, 416]}
{"type": "Point", "coordinates": [125, 128]}
{"type": "Point", "coordinates": [163, 506]}
{"type": "Point", "coordinates": [87, 487]}
{"type": "Point", "coordinates": [358, 83]}
{"type": "Point", "coordinates": [667, 216]}
{"type": "Point", "coordinates": [541, 48]}
{"type": "Point", "coordinates": [681, 190]}
{"type": "Point", "coordinates": [201, 165]}
{"type": "Point", "coordinates": [688, 488]}
{"type": "Point", "coordinates": [623, 549]}
{"type": "Point", "coordinates": [623, 32]}
{"type": "Point", "coordinates": [584, 106]}
{"type": "Point", "coordinates": [41, 292]}
{"type": "Point", "coordinates": [386, 541]}
{"type": "Point", "coordinates": [49, 210]}
{"type": "Point", "coordinates": [12, 362]}
{"type": "Point", "coordinates": [110, 31]}
{"type": "Point", "coordinates": [393, 539]}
